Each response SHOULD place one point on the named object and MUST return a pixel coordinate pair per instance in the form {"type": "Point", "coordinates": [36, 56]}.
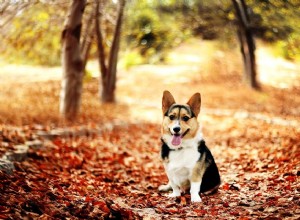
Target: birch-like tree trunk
{"type": "Point", "coordinates": [72, 63]}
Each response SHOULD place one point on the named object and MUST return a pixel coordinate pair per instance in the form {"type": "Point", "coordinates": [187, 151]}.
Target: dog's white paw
{"type": "Point", "coordinates": [196, 198]}
{"type": "Point", "coordinates": [164, 188]}
{"type": "Point", "coordinates": [174, 194]}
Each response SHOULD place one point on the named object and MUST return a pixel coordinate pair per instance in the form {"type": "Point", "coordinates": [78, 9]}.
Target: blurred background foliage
{"type": "Point", "coordinates": [33, 35]}
{"type": "Point", "coordinates": [150, 29]}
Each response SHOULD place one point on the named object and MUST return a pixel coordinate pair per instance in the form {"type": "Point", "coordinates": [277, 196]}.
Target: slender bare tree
{"type": "Point", "coordinates": [87, 38]}
{"type": "Point", "coordinates": [247, 43]}
{"type": "Point", "coordinates": [108, 63]}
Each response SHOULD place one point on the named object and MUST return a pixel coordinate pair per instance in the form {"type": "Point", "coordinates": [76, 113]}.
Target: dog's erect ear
{"type": "Point", "coordinates": [167, 101]}
{"type": "Point", "coordinates": [195, 103]}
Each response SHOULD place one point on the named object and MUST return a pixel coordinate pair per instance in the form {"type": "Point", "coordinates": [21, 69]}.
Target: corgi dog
{"type": "Point", "coordinates": [188, 162]}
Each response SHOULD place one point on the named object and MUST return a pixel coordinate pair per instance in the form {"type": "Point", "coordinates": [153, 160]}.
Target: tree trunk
{"type": "Point", "coordinates": [87, 40]}
{"type": "Point", "coordinates": [101, 50]}
{"type": "Point", "coordinates": [72, 63]}
{"type": "Point", "coordinates": [247, 43]}
{"type": "Point", "coordinates": [109, 71]}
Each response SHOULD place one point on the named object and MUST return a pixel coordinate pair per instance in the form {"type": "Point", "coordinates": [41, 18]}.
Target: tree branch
{"type": "Point", "coordinates": [99, 39]}
{"type": "Point", "coordinates": [116, 43]}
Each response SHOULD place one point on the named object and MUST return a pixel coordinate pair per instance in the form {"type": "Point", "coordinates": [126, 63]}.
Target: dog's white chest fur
{"type": "Point", "coordinates": [181, 163]}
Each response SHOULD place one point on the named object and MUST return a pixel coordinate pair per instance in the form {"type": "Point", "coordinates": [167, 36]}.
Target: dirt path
{"type": "Point", "coordinates": [140, 87]}
{"type": "Point", "coordinates": [186, 60]}
{"type": "Point", "coordinates": [277, 72]}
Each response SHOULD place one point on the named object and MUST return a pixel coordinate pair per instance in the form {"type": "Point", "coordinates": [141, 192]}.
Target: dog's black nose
{"type": "Point", "coordinates": [176, 129]}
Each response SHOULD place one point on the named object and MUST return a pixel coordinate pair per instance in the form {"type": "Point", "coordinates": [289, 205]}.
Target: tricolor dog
{"type": "Point", "coordinates": [188, 162]}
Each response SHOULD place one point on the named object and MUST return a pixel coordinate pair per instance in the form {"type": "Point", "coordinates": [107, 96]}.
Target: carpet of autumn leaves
{"type": "Point", "coordinates": [115, 176]}
{"type": "Point", "coordinates": [107, 165]}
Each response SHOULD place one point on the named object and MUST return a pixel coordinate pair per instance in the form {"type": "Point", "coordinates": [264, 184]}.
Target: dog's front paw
{"type": "Point", "coordinates": [164, 188]}
{"type": "Point", "coordinates": [196, 198]}
{"type": "Point", "coordinates": [174, 194]}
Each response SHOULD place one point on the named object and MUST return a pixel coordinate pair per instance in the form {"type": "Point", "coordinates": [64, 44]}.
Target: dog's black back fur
{"type": "Point", "coordinates": [211, 178]}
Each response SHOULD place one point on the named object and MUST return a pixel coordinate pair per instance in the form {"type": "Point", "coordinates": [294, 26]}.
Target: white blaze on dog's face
{"type": "Point", "coordinates": [180, 120]}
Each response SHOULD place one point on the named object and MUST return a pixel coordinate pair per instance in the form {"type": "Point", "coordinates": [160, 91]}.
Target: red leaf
{"type": "Point", "coordinates": [102, 205]}
{"type": "Point", "coordinates": [57, 142]}
{"type": "Point", "coordinates": [226, 204]}
{"type": "Point", "coordinates": [226, 186]}
{"type": "Point", "coordinates": [235, 213]}
{"type": "Point", "coordinates": [291, 178]}
{"type": "Point", "coordinates": [89, 199]}
{"type": "Point", "coordinates": [200, 211]}
{"type": "Point", "coordinates": [288, 187]}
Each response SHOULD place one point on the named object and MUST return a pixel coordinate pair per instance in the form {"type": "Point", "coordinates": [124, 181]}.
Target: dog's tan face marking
{"type": "Point", "coordinates": [180, 121]}
{"type": "Point", "coordinates": [181, 117]}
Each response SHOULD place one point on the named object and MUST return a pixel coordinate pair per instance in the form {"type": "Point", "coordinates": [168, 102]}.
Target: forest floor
{"type": "Point", "coordinates": [106, 164]}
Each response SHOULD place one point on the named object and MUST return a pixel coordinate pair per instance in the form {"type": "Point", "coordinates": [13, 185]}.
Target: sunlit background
{"type": "Point", "coordinates": [164, 44]}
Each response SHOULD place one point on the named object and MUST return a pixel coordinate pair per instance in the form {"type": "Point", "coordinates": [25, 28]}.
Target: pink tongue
{"type": "Point", "coordinates": [176, 140]}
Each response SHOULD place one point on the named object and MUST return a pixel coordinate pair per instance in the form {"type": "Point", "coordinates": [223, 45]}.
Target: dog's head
{"type": "Point", "coordinates": [180, 120]}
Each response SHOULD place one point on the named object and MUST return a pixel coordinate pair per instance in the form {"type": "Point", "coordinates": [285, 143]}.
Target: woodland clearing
{"type": "Point", "coordinates": [106, 164]}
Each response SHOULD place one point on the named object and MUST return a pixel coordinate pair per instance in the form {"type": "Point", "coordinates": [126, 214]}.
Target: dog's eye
{"type": "Point", "coordinates": [172, 117]}
{"type": "Point", "coordinates": [185, 118]}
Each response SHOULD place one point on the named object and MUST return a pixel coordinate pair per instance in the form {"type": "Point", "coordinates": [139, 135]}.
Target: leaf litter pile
{"type": "Point", "coordinates": [115, 175]}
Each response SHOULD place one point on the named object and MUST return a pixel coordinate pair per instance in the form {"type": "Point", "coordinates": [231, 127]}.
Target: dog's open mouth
{"type": "Point", "coordinates": [177, 138]}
